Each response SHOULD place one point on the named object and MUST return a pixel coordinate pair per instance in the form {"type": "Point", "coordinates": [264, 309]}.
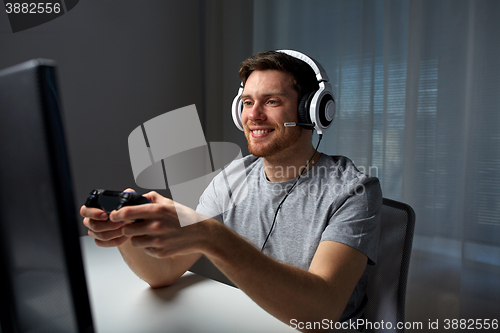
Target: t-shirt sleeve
{"type": "Point", "coordinates": [356, 220]}
{"type": "Point", "coordinates": [208, 203]}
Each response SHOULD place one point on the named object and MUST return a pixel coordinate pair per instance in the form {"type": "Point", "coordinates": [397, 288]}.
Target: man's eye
{"type": "Point", "coordinates": [272, 102]}
{"type": "Point", "coordinates": [247, 103]}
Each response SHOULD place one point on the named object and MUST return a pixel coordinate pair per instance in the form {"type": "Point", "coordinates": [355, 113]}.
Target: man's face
{"type": "Point", "coordinates": [269, 101]}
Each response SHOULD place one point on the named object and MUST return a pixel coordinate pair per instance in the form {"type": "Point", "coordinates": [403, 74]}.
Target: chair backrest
{"type": "Point", "coordinates": [386, 290]}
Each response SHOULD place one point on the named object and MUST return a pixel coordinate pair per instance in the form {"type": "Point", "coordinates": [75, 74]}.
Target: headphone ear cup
{"type": "Point", "coordinates": [237, 109]}
{"type": "Point", "coordinates": [326, 111]}
{"type": "Point", "coordinates": [303, 112]}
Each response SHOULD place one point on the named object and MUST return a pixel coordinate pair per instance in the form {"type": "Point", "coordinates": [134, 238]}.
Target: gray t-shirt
{"type": "Point", "coordinates": [332, 201]}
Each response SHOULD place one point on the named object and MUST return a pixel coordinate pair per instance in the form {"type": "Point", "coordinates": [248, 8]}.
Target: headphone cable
{"type": "Point", "coordinates": [288, 192]}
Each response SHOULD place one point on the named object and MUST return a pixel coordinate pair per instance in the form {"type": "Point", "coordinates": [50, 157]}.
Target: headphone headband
{"type": "Point", "coordinates": [317, 68]}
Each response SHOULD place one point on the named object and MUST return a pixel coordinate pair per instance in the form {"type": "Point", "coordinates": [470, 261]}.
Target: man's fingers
{"type": "Point", "coordinates": [93, 213]}
{"type": "Point", "coordinates": [100, 226]}
{"type": "Point", "coordinates": [111, 243]}
{"type": "Point", "coordinates": [143, 212]}
{"type": "Point", "coordinates": [143, 241]}
{"type": "Point", "coordinates": [130, 213]}
{"type": "Point", "coordinates": [155, 197]}
{"type": "Point", "coordinates": [145, 228]}
{"type": "Point", "coordinates": [106, 235]}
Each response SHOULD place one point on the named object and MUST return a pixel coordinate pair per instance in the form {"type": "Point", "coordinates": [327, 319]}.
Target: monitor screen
{"type": "Point", "coordinates": [42, 281]}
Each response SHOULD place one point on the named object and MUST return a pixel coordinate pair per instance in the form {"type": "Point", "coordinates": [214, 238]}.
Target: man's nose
{"type": "Point", "coordinates": [256, 112]}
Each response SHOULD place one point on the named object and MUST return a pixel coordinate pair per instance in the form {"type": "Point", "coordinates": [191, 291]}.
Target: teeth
{"type": "Point", "coordinates": [261, 131]}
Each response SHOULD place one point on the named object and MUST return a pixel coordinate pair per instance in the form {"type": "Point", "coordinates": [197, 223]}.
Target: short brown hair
{"type": "Point", "coordinates": [304, 78]}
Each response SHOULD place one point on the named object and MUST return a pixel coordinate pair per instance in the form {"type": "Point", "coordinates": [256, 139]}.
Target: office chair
{"type": "Point", "coordinates": [386, 290]}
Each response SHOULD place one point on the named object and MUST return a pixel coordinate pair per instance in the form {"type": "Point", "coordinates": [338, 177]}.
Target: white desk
{"type": "Point", "coordinates": [122, 303]}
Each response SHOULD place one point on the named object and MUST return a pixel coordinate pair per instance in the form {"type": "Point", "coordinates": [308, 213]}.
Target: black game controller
{"type": "Point", "coordinates": [114, 200]}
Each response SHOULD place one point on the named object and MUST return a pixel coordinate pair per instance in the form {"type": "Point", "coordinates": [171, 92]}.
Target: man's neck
{"type": "Point", "coordinates": [283, 168]}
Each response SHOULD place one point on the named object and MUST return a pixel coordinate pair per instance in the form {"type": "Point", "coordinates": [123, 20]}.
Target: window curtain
{"type": "Point", "coordinates": [417, 86]}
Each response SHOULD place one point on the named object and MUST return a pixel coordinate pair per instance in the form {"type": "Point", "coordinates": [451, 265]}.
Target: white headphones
{"type": "Point", "coordinates": [316, 109]}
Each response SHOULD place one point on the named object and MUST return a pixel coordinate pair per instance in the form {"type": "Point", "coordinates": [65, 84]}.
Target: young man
{"type": "Point", "coordinates": [314, 264]}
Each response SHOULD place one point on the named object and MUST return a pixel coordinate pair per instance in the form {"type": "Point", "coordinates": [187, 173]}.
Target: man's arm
{"type": "Point", "coordinates": [288, 292]}
{"type": "Point", "coordinates": [156, 272]}
{"type": "Point", "coordinates": [284, 291]}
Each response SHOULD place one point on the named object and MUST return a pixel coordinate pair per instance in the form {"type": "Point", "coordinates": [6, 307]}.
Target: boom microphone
{"type": "Point", "coordinates": [306, 126]}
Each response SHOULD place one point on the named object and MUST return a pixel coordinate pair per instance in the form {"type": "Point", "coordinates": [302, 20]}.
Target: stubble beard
{"type": "Point", "coordinates": [277, 145]}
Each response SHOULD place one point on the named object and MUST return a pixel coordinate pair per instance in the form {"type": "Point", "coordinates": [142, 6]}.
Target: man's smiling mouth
{"type": "Point", "coordinates": [262, 131]}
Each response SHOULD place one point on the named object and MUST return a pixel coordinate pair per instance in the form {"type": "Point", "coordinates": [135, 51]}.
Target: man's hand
{"type": "Point", "coordinates": [105, 232]}
{"type": "Point", "coordinates": [160, 233]}
{"type": "Point", "coordinates": [145, 245]}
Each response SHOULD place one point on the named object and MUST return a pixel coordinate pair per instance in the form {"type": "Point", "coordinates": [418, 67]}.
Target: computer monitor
{"type": "Point", "coordinates": [42, 280]}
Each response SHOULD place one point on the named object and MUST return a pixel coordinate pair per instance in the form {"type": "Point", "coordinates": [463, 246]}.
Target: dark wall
{"type": "Point", "coordinates": [120, 63]}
